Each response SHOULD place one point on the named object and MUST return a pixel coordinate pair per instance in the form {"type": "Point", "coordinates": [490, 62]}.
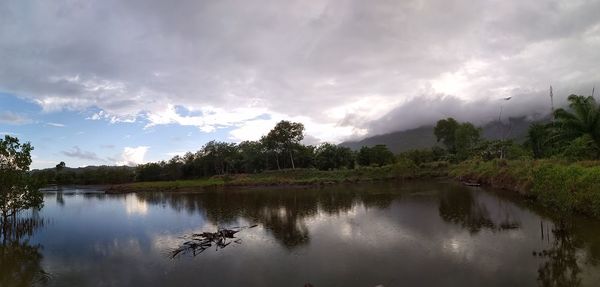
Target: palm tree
{"type": "Point", "coordinates": [538, 139]}
{"type": "Point", "coordinates": [583, 119]}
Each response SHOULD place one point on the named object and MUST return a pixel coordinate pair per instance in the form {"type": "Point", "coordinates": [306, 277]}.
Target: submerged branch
{"type": "Point", "coordinates": [198, 242]}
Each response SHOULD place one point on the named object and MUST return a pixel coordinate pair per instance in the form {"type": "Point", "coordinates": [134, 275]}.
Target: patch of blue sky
{"type": "Point", "coordinates": [56, 132]}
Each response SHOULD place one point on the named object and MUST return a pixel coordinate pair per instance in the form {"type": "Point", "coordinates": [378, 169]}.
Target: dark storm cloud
{"type": "Point", "coordinates": [298, 58]}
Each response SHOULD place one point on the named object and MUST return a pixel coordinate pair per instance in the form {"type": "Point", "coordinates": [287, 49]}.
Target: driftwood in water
{"type": "Point", "coordinates": [198, 242]}
{"type": "Point", "coordinates": [471, 183]}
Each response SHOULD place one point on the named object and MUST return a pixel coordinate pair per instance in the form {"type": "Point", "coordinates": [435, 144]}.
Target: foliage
{"type": "Point", "coordinates": [445, 131]}
{"type": "Point", "coordinates": [460, 139]}
{"type": "Point", "coordinates": [581, 148]}
{"type": "Point", "coordinates": [572, 187]}
{"type": "Point", "coordinates": [17, 190]}
{"type": "Point", "coordinates": [252, 157]}
{"type": "Point", "coordinates": [221, 155]}
{"type": "Point", "coordinates": [506, 149]}
{"type": "Point", "coordinates": [421, 156]}
{"type": "Point", "coordinates": [466, 138]}
{"type": "Point", "coordinates": [561, 186]}
{"type": "Point", "coordinates": [329, 156]}
{"type": "Point", "coordinates": [221, 158]}
{"type": "Point", "coordinates": [574, 134]}
{"type": "Point", "coordinates": [284, 137]}
{"type": "Point", "coordinates": [299, 176]}
{"type": "Point", "coordinates": [582, 119]}
{"type": "Point", "coordinates": [60, 166]}
{"type": "Point", "coordinates": [378, 155]}
{"type": "Point", "coordinates": [539, 140]}
{"type": "Point", "coordinates": [84, 175]}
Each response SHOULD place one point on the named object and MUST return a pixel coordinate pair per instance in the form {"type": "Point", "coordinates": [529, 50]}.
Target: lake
{"type": "Point", "coordinates": [414, 233]}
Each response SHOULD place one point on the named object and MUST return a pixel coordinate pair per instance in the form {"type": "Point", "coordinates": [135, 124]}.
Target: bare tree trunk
{"type": "Point", "coordinates": [277, 160]}
{"type": "Point", "coordinates": [292, 158]}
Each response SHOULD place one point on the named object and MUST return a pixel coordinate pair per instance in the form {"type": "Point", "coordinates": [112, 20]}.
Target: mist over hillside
{"type": "Point", "coordinates": [423, 137]}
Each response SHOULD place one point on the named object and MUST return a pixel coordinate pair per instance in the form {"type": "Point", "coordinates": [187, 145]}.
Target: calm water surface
{"type": "Point", "coordinates": [386, 234]}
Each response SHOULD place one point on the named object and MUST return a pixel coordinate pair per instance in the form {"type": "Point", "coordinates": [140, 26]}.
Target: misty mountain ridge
{"type": "Point", "coordinates": [423, 137]}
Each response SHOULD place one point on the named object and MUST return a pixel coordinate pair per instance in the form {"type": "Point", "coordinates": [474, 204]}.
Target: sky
{"type": "Point", "coordinates": [126, 82]}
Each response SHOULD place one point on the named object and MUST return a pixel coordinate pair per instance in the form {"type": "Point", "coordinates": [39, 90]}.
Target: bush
{"type": "Point", "coordinates": [581, 148]}
{"type": "Point", "coordinates": [568, 188]}
{"type": "Point", "coordinates": [556, 184]}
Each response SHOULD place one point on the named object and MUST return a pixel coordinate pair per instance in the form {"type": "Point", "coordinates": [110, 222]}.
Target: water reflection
{"type": "Point", "coordinates": [390, 234]}
{"type": "Point", "coordinates": [60, 200]}
{"type": "Point", "coordinates": [197, 243]}
{"type": "Point", "coordinates": [133, 205]}
{"type": "Point", "coordinates": [282, 213]}
{"type": "Point", "coordinates": [460, 206]}
{"type": "Point", "coordinates": [561, 265]}
{"type": "Point", "coordinates": [20, 262]}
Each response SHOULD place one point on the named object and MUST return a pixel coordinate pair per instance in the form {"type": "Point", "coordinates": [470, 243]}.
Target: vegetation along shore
{"type": "Point", "coordinates": [556, 165]}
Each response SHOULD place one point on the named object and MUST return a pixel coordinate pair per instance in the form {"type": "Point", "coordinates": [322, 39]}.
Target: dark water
{"type": "Point", "coordinates": [388, 234]}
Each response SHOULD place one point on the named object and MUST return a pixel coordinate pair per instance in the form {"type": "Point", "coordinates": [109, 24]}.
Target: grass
{"type": "Point", "coordinates": [560, 185]}
{"type": "Point", "coordinates": [400, 170]}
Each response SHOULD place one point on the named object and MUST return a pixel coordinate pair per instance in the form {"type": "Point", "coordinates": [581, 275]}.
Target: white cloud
{"type": "Point", "coordinates": [208, 118]}
{"type": "Point", "coordinates": [315, 132]}
{"type": "Point", "coordinates": [58, 125]}
{"type": "Point", "coordinates": [133, 155]}
{"type": "Point", "coordinates": [338, 65]}
{"type": "Point", "coordinates": [12, 118]}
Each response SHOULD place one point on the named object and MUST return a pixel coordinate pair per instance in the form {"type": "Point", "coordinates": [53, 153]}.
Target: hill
{"type": "Point", "coordinates": [423, 137]}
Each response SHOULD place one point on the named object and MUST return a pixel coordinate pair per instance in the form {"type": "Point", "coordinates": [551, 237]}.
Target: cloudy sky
{"type": "Point", "coordinates": [105, 82]}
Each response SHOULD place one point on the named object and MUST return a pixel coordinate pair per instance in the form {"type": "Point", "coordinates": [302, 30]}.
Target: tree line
{"type": "Point", "coordinates": [573, 134]}
{"type": "Point", "coordinates": [280, 148]}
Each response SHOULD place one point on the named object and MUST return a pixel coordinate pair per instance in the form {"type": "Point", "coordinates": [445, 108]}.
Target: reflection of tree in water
{"type": "Point", "coordinates": [561, 267]}
{"type": "Point", "coordinates": [60, 200]}
{"type": "Point", "coordinates": [459, 206]}
{"type": "Point", "coordinates": [281, 212]}
{"type": "Point", "coordinates": [20, 262]}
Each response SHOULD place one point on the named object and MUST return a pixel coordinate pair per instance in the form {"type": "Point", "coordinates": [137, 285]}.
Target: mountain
{"type": "Point", "coordinates": [423, 137]}
{"type": "Point", "coordinates": [398, 141]}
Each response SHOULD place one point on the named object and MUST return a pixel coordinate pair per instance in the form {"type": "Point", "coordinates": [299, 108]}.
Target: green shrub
{"type": "Point", "coordinates": [558, 185]}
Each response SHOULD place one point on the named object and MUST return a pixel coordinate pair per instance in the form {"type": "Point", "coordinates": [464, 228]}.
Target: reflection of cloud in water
{"type": "Point", "coordinates": [133, 205]}
{"type": "Point", "coordinates": [284, 214]}
{"type": "Point", "coordinates": [331, 236]}
{"type": "Point", "coordinates": [118, 247]}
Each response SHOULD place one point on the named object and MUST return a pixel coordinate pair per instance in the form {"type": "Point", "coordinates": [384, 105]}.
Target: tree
{"type": "Point", "coordinates": [17, 190]}
{"type": "Point", "coordinates": [507, 149]}
{"type": "Point", "coordinates": [459, 138]}
{"type": "Point", "coordinates": [378, 155]}
{"type": "Point", "coordinates": [420, 156]}
{"type": "Point", "coordinates": [60, 166]}
{"type": "Point", "coordinates": [583, 119]}
{"type": "Point", "coordinates": [364, 156]}
{"type": "Point", "coordinates": [220, 154]}
{"type": "Point", "coordinates": [329, 156]}
{"type": "Point", "coordinates": [284, 136]}
{"type": "Point", "coordinates": [466, 138]}
{"type": "Point", "coordinates": [304, 155]}
{"type": "Point", "coordinates": [252, 156]}
{"type": "Point", "coordinates": [581, 148]}
{"type": "Point", "coordinates": [445, 131]}
{"type": "Point", "coordinates": [538, 138]}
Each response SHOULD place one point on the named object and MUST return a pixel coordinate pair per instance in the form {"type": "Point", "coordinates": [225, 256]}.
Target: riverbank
{"type": "Point", "coordinates": [289, 178]}
{"type": "Point", "coordinates": [561, 186]}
